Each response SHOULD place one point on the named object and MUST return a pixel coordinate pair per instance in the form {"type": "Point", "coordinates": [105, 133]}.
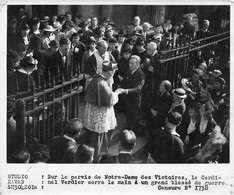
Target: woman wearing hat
{"type": "Point", "coordinates": [99, 116]}
{"type": "Point", "coordinates": [24, 81]}
{"type": "Point", "coordinates": [112, 49]}
{"type": "Point", "coordinates": [109, 33]}
{"type": "Point", "coordinates": [23, 34]}
{"type": "Point", "coordinates": [120, 40]}
{"type": "Point", "coordinates": [139, 49]}
{"type": "Point", "coordinates": [70, 29]}
{"type": "Point", "coordinates": [35, 38]}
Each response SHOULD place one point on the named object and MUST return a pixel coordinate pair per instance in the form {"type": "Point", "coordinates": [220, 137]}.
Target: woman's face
{"type": "Point", "coordinates": [110, 33]}
{"type": "Point", "coordinates": [202, 110]}
{"type": "Point", "coordinates": [126, 55]}
{"type": "Point", "coordinates": [192, 112]}
{"type": "Point", "coordinates": [92, 46]}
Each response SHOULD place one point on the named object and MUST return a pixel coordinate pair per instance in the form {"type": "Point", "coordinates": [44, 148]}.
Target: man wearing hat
{"type": "Point", "coordinates": [58, 34]}
{"type": "Point", "coordinates": [178, 104]}
{"type": "Point", "coordinates": [44, 22]}
{"type": "Point", "coordinates": [48, 36]}
{"type": "Point", "coordinates": [165, 145]}
{"type": "Point", "coordinates": [94, 63]}
{"type": "Point", "coordinates": [99, 115]}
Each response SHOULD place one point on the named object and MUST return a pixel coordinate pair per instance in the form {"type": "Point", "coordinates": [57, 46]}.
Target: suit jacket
{"type": "Point", "coordinates": [166, 147]}
{"type": "Point", "coordinates": [91, 64]}
{"type": "Point", "coordinates": [63, 150]}
{"type": "Point", "coordinates": [60, 71]}
{"type": "Point", "coordinates": [121, 158]}
{"type": "Point", "coordinates": [162, 103]}
{"type": "Point", "coordinates": [133, 83]}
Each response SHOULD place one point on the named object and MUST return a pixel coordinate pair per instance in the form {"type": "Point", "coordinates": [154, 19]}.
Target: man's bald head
{"type": "Point", "coordinates": [151, 48]}
{"type": "Point", "coordinates": [128, 140]}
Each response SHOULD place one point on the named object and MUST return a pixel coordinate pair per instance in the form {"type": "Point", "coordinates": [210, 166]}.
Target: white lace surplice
{"type": "Point", "coordinates": [99, 119]}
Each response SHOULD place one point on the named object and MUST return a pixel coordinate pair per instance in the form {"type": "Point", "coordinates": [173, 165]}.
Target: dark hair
{"type": "Point", "coordinates": [64, 41]}
{"type": "Point", "coordinates": [196, 106]}
{"type": "Point", "coordinates": [74, 35]}
{"type": "Point", "coordinates": [74, 126]}
{"type": "Point", "coordinates": [61, 18]}
{"type": "Point", "coordinates": [41, 153]}
{"type": "Point", "coordinates": [84, 154]}
{"type": "Point", "coordinates": [20, 156]}
{"type": "Point", "coordinates": [174, 118]}
{"type": "Point", "coordinates": [126, 48]}
{"type": "Point", "coordinates": [128, 139]}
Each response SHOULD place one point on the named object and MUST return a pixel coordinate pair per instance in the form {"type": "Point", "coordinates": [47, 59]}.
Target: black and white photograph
{"type": "Point", "coordinates": [116, 98]}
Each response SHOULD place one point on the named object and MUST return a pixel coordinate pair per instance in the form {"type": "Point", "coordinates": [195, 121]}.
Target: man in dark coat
{"type": "Point", "coordinates": [165, 145]}
{"type": "Point", "coordinates": [64, 147]}
{"type": "Point", "coordinates": [132, 85]}
{"type": "Point", "coordinates": [126, 145]}
{"type": "Point", "coordinates": [60, 63]}
{"type": "Point", "coordinates": [162, 101]}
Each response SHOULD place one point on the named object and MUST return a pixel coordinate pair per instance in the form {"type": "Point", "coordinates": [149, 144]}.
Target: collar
{"type": "Point", "coordinates": [173, 132]}
{"type": "Point", "coordinates": [22, 71]}
{"type": "Point", "coordinates": [124, 152]}
{"type": "Point", "coordinates": [69, 138]}
{"type": "Point", "coordinates": [132, 72]}
{"type": "Point", "coordinates": [61, 53]}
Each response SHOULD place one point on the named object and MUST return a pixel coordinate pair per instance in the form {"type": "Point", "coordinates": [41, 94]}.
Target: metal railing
{"type": "Point", "coordinates": [41, 116]}
{"type": "Point", "coordinates": [179, 61]}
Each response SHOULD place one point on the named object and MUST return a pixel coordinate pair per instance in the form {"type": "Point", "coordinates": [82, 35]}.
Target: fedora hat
{"type": "Point", "coordinates": [49, 28]}
{"type": "Point", "coordinates": [179, 92]}
{"type": "Point", "coordinates": [109, 66]}
{"type": "Point", "coordinates": [121, 33]}
{"type": "Point", "coordinates": [108, 28]}
{"type": "Point", "coordinates": [185, 84]}
{"type": "Point", "coordinates": [35, 21]}
{"type": "Point", "coordinates": [57, 25]}
{"type": "Point", "coordinates": [45, 19]}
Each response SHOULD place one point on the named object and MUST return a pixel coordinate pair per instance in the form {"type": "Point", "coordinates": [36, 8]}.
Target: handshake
{"type": "Point", "coordinates": [121, 91]}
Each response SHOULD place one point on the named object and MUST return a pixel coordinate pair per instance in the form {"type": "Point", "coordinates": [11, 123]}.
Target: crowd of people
{"type": "Point", "coordinates": [187, 124]}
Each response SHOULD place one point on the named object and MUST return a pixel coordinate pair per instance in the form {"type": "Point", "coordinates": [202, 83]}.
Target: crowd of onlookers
{"type": "Point", "coordinates": [189, 123]}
